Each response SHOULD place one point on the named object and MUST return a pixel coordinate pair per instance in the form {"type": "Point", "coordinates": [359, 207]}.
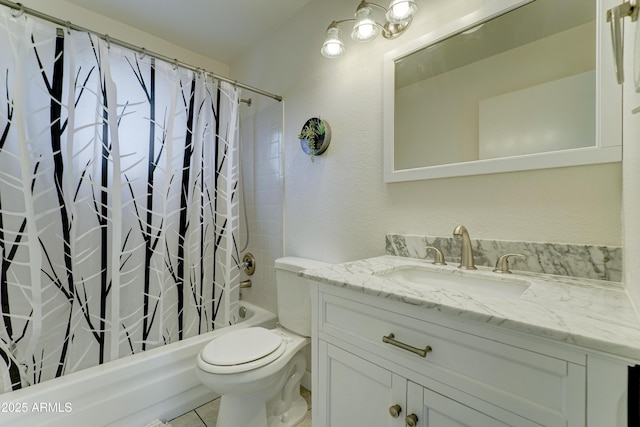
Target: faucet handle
{"type": "Point", "coordinates": [502, 265]}
{"type": "Point", "coordinates": [439, 258]}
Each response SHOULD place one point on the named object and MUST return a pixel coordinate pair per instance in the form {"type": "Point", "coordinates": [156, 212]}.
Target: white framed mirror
{"type": "Point", "coordinates": [515, 85]}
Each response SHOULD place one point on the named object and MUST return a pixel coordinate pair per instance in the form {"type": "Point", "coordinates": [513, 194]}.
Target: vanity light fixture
{"type": "Point", "coordinates": [365, 28]}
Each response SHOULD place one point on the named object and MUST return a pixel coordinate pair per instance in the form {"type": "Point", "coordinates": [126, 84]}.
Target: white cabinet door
{"type": "Point", "coordinates": [355, 392]}
{"type": "Point", "coordinates": [433, 409]}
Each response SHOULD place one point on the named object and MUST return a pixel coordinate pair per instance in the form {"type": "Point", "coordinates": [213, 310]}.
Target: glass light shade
{"type": "Point", "coordinates": [401, 11]}
{"type": "Point", "coordinates": [333, 46]}
{"type": "Point", "coordinates": [365, 29]}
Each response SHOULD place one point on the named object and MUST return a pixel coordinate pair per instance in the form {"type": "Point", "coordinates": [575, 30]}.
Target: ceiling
{"type": "Point", "coordinates": [219, 29]}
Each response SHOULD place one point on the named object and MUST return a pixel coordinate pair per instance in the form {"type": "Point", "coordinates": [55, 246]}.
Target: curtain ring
{"type": "Point", "coordinates": [108, 40]}
{"type": "Point", "coordinates": [143, 53]}
{"type": "Point", "coordinates": [19, 12]}
{"type": "Point", "coordinates": [175, 64]}
{"type": "Point", "coordinates": [68, 27]}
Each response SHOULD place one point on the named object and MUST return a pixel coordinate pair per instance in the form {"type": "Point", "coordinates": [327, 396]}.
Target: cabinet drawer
{"type": "Point", "coordinates": [544, 389]}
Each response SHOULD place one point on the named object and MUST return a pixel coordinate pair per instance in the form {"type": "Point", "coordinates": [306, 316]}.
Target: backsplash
{"type": "Point", "coordinates": [584, 261]}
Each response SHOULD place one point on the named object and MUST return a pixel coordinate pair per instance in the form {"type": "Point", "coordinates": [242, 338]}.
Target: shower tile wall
{"type": "Point", "coordinates": [261, 134]}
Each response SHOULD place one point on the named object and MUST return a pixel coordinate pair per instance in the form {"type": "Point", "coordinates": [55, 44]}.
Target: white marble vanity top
{"type": "Point", "coordinates": [593, 314]}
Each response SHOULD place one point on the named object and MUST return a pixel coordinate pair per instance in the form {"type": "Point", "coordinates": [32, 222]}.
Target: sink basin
{"type": "Point", "coordinates": [468, 282]}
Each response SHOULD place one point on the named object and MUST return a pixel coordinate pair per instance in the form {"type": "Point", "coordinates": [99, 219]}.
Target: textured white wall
{"type": "Point", "coordinates": [339, 208]}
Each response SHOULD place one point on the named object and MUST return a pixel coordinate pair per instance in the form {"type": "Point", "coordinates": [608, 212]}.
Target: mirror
{"type": "Point", "coordinates": [516, 85]}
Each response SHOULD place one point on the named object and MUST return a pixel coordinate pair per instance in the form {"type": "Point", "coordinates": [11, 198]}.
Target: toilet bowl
{"type": "Point", "coordinates": [257, 371]}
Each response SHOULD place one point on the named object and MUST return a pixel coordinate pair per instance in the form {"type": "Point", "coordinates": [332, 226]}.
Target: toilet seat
{"type": "Point", "coordinates": [241, 350]}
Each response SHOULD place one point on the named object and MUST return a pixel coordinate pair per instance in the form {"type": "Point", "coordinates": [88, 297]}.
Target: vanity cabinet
{"type": "Point", "coordinates": [362, 393]}
{"type": "Point", "coordinates": [473, 374]}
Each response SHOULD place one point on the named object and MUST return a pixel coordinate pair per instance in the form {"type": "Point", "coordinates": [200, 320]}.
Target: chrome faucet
{"type": "Point", "coordinates": [466, 258]}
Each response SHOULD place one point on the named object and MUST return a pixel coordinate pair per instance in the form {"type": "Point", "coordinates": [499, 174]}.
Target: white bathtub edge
{"type": "Point", "coordinates": [126, 392]}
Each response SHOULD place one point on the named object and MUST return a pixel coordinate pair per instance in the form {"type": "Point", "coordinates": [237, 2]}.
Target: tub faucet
{"type": "Point", "coordinates": [466, 258]}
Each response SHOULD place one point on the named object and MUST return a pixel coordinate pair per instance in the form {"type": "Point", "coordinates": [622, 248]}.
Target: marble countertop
{"type": "Point", "coordinates": [593, 314]}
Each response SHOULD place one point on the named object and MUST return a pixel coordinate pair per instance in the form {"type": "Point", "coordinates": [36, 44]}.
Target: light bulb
{"type": "Point", "coordinates": [333, 46]}
{"type": "Point", "coordinates": [365, 29]}
{"type": "Point", "coordinates": [332, 49]}
{"type": "Point", "coordinates": [401, 11]}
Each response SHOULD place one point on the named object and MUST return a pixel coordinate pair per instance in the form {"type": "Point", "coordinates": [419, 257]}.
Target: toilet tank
{"type": "Point", "coordinates": [294, 300]}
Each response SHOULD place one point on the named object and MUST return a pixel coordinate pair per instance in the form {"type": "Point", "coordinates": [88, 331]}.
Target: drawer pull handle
{"type": "Point", "coordinates": [389, 339]}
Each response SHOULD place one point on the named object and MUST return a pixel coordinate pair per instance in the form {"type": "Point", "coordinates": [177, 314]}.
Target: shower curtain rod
{"type": "Point", "coordinates": [67, 24]}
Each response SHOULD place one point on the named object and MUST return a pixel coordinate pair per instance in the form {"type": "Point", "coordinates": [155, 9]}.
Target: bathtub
{"type": "Point", "coordinates": [133, 391]}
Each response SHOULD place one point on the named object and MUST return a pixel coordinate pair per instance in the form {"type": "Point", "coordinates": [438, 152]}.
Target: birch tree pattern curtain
{"type": "Point", "coordinates": [118, 175]}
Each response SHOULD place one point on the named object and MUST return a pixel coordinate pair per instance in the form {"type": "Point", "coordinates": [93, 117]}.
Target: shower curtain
{"type": "Point", "coordinates": [118, 205]}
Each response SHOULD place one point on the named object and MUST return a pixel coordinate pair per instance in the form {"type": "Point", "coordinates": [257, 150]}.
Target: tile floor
{"type": "Point", "coordinates": [206, 415]}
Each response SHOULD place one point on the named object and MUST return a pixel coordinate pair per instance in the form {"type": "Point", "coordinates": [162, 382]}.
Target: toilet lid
{"type": "Point", "coordinates": [241, 346]}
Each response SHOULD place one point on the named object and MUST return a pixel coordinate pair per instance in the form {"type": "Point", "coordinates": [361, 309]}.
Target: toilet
{"type": "Point", "coordinates": [257, 371]}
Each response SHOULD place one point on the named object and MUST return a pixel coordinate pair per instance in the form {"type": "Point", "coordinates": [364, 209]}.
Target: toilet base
{"type": "Point", "coordinates": [275, 403]}
{"type": "Point", "coordinates": [241, 411]}
{"type": "Point", "coordinates": [236, 412]}
{"type": "Point", "coordinates": [293, 416]}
